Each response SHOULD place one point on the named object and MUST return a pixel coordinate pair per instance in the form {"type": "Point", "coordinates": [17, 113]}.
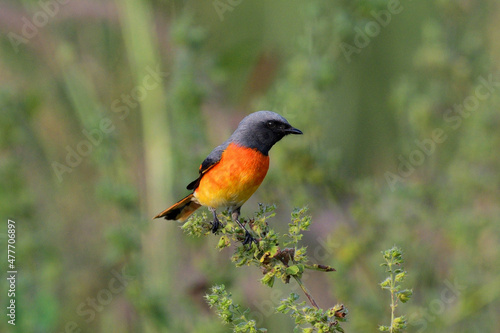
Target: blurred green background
{"type": "Point", "coordinates": [107, 109]}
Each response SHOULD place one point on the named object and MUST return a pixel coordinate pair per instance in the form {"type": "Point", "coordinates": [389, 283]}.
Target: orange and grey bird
{"type": "Point", "coordinates": [233, 171]}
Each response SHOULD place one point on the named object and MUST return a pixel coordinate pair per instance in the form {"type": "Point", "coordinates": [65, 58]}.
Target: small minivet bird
{"type": "Point", "coordinates": [233, 171]}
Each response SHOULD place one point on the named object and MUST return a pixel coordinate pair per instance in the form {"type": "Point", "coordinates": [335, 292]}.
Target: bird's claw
{"type": "Point", "coordinates": [216, 225]}
{"type": "Point", "coordinates": [249, 239]}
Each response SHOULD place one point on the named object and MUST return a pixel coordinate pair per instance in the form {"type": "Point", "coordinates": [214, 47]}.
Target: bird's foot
{"type": "Point", "coordinates": [248, 238]}
{"type": "Point", "coordinates": [216, 225]}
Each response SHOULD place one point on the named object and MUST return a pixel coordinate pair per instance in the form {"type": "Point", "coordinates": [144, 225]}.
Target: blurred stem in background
{"type": "Point", "coordinates": [159, 239]}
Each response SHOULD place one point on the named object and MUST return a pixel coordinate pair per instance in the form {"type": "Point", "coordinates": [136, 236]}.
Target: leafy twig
{"type": "Point", "coordinates": [274, 261]}
{"type": "Point", "coordinates": [231, 313]}
{"type": "Point", "coordinates": [394, 263]}
{"type": "Point", "coordinates": [318, 319]}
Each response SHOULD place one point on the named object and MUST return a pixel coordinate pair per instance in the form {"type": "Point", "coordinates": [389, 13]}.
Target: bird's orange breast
{"type": "Point", "coordinates": [234, 179]}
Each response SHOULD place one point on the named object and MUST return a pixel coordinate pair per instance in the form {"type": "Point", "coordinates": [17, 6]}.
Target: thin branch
{"type": "Point", "coordinates": [306, 292]}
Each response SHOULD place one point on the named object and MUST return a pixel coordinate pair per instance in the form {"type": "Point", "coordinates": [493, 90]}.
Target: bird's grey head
{"type": "Point", "coordinates": [261, 130]}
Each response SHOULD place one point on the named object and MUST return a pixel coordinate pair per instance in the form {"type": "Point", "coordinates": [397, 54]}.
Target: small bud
{"type": "Point", "coordinates": [405, 295]}
{"type": "Point", "coordinates": [282, 308]}
{"type": "Point", "coordinates": [400, 323]}
{"type": "Point", "coordinates": [268, 280]}
{"type": "Point", "coordinates": [294, 297]}
{"type": "Point", "coordinates": [400, 277]}
{"type": "Point", "coordinates": [386, 283]}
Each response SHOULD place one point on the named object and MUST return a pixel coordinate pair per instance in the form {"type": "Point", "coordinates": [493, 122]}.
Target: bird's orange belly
{"type": "Point", "coordinates": [234, 179]}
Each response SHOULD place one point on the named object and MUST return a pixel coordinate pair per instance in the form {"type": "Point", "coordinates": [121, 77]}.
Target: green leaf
{"type": "Point", "coordinates": [223, 242]}
{"type": "Point", "coordinates": [321, 268]}
{"type": "Point", "coordinates": [293, 270]}
{"type": "Point", "coordinates": [273, 250]}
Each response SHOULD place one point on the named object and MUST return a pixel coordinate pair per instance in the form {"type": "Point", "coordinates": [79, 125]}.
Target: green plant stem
{"type": "Point", "coordinates": [306, 292]}
{"type": "Point", "coordinates": [392, 311]}
{"type": "Point", "coordinates": [393, 304]}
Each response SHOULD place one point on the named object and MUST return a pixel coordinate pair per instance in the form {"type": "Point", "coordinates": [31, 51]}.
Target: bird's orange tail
{"type": "Point", "coordinates": [181, 210]}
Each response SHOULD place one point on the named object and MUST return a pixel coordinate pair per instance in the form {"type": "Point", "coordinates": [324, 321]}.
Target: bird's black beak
{"type": "Point", "coordinates": [293, 130]}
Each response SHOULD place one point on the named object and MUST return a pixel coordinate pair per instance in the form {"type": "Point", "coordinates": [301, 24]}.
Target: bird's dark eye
{"type": "Point", "coordinates": [271, 124]}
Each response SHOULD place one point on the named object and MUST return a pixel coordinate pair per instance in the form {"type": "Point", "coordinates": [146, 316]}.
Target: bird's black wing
{"type": "Point", "coordinates": [212, 159]}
